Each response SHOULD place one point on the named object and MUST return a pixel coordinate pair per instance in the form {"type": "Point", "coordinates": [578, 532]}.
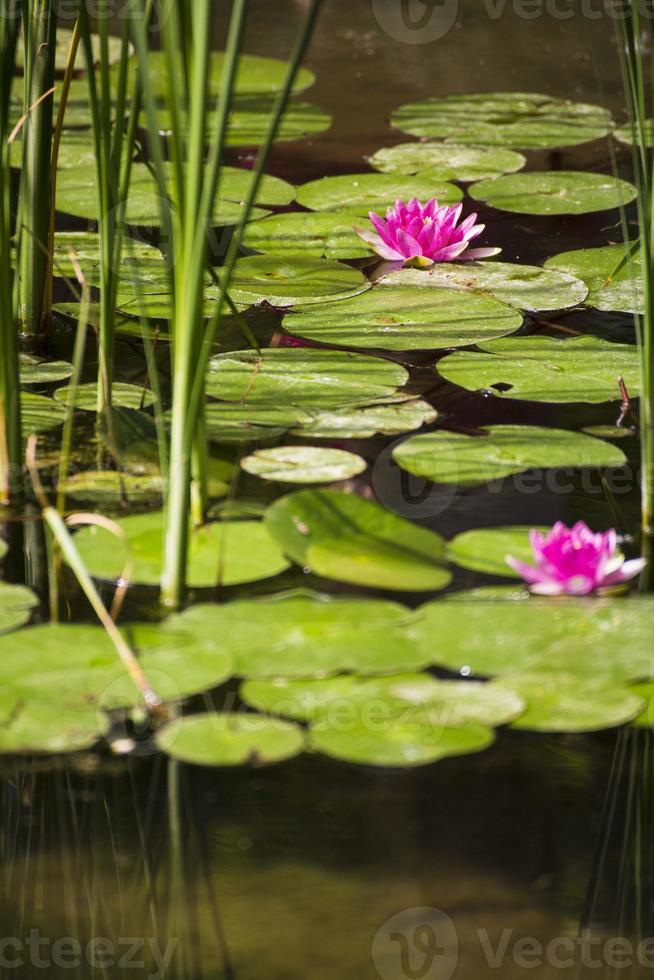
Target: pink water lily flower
{"type": "Point", "coordinates": [575, 561]}
{"type": "Point", "coordinates": [420, 235]}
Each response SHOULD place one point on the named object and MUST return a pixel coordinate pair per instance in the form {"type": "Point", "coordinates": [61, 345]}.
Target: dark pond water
{"type": "Point", "coordinates": [299, 871]}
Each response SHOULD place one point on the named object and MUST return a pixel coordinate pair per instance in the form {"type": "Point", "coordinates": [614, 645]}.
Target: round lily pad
{"type": "Point", "coordinates": [632, 137]}
{"type": "Point", "coordinates": [256, 75]}
{"type": "Point", "coordinates": [569, 703]}
{"type": "Point", "coordinates": [485, 549]}
{"type": "Point", "coordinates": [302, 377]}
{"type": "Point", "coordinates": [344, 537]}
{"type": "Point", "coordinates": [142, 267]}
{"type": "Point", "coordinates": [233, 422]}
{"type": "Point", "coordinates": [542, 369]}
{"type": "Point", "coordinates": [105, 488]}
{"type": "Point", "coordinates": [501, 451]}
{"type": "Point", "coordinates": [310, 234]}
{"type": "Point", "coordinates": [361, 193]}
{"type": "Point", "coordinates": [383, 700]}
{"type": "Point", "coordinates": [250, 119]}
{"type": "Point", "coordinates": [610, 287]}
{"type": "Point", "coordinates": [42, 728]}
{"type": "Point", "coordinates": [122, 395]}
{"type": "Point", "coordinates": [230, 553]}
{"type": "Point", "coordinates": [522, 120]}
{"type": "Point", "coordinates": [644, 690]}
{"type": "Point", "coordinates": [40, 414]}
{"type": "Point", "coordinates": [406, 318]}
{"type": "Point", "coordinates": [287, 281]}
{"type": "Point", "coordinates": [448, 162]}
{"type": "Point", "coordinates": [16, 603]}
{"type": "Point", "coordinates": [401, 745]}
{"type": "Point", "coordinates": [364, 423]}
{"type": "Point", "coordinates": [555, 192]}
{"type": "Point", "coordinates": [62, 46]}
{"type": "Point", "coordinates": [230, 740]}
{"type": "Point", "coordinates": [526, 287]}
{"type": "Point", "coordinates": [34, 371]}
{"type": "Point", "coordinates": [307, 635]}
{"type": "Point", "coordinates": [303, 464]}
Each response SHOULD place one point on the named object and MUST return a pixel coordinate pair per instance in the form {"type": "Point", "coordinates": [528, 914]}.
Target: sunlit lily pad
{"type": "Point", "coordinates": [585, 369]}
{"type": "Point", "coordinates": [568, 703]}
{"type": "Point", "coordinates": [554, 192]}
{"type": "Point", "coordinates": [290, 377]}
{"type": "Point", "coordinates": [48, 728]}
{"type": "Point", "coordinates": [609, 289]}
{"type": "Point", "coordinates": [406, 318]}
{"type": "Point", "coordinates": [230, 740]}
{"type": "Point", "coordinates": [522, 120]}
{"type": "Point", "coordinates": [16, 603]}
{"type": "Point", "coordinates": [448, 162]}
{"type": "Point", "coordinates": [361, 193]}
{"type": "Point", "coordinates": [364, 423]}
{"type": "Point", "coordinates": [526, 287]}
{"type": "Point", "coordinates": [312, 234]}
{"type": "Point", "coordinates": [40, 414]}
{"type": "Point", "coordinates": [256, 75]}
{"type": "Point", "coordinates": [62, 47]}
{"type": "Point", "coordinates": [485, 549]}
{"type": "Point", "coordinates": [383, 700]}
{"type": "Point", "coordinates": [303, 464]}
{"type": "Point", "coordinates": [34, 371]}
{"type": "Point", "coordinates": [106, 488]}
{"type": "Point", "coordinates": [122, 396]}
{"type": "Point", "coordinates": [627, 134]}
{"type": "Point", "coordinates": [644, 690]}
{"type": "Point", "coordinates": [284, 282]}
{"type": "Point", "coordinates": [344, 537]}
{"type": "Point", "coordinates": [307, 635]}
{"type": "Point", "coordinates": [142, 267]}
{"type": "Point", "coordinates": [231, 553]}
{"type": "Point", "coordinates": [501, 451]}
{"type": "Point", "coordinates": [233, 422]}
{"type": "Point", "coordinates": [400, 744]}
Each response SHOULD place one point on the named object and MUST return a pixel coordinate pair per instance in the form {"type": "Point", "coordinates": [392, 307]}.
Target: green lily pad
{"type": "Point", "coordinates": [644, 690]}
{"type": "Point", "coordinates": [256, 75]}
{"type": "Point", "coordinates": [608, 290]}
{"type": "Point", "coordinates": [227, 422]}
{"type": "Point", "coordinates": [485, 549]}
{"type": "Point", "coordinates": [42, 728]}
{"type": "Point", "coordinates": [62, 46]}
{"type": "Point", "coordinates": [364, 423]}
{"type": "Point", "coordinates": [311, 234]}
{"type": "Point", "coordinates": [502, 450]}
{"type": "Point", "coordinates": [230, 740]}
{"type": "Point", "coordinates": [307, 635]}
{"type": "Point", "coordinates": [568, 703]}
{"type": "Point", "coordinates": [383, 700]}
{"type": "Point", "coordinates": [232, 552]}
{"type": "Point", "coordinates": [34, 371]}
{"type": "Point", "coordinates": [287, 281]}
{"type": "Point", "coordinates": [521, 120]}
{"type": "Point", "coordinates": [361, 193]}
{"type": "Point", "coordinates": [301, 377]}
{"type": "Point", "coordinates": [105, 488]}
{"type": "Point", "coordinates": [448, 162]}
{"type": "Point", "coordinates": [122, 395]}
{"type": "Point", "coordinates": [3, 548]}
{"type": "Point", "coordinates": [142, 267]}
{"type": "Point", "coordinates": [555, 192]}
{"type": "Point", "coordinates": [406, 318]}
{"type": "Point", "coordinates": [16, 603]}
{"type": "Point", "coordinates": [626, 134]}
{"type": "Point", "coordinates": [40, 414]}
{"type": "Point", "coordinates": [304, 464]}
{"type": "Point", "coordinates": [399, 745]}
{"type": "Point", "coordinates": [504, 632]}
{"type": "Point", "coordinates": [250, 119]}
{"type": "Point", "coordinates": [542, 369]}
{"type": "Point", "coordinates": [526, 287]}
{"type": "Point", "coordinates": [344, 537]}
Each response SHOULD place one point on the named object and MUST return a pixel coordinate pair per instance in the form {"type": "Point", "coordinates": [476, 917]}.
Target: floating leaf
{"type": "Point", "coordinates": [256, 75]}
{"type": "Point", "coordinates": [40, 414]}
{"type": "Point", "coordinates": [307, 635]}
{"type": "Point", "coordinates": [310, 234]}
{"type": "Point", "coordinates": [42, 727]}
{"type": "Point", "coordinates": [447, 162]}
{"type": "Point", "coordinates": [361, 193]}
{"type": "Point", "coordinates": [485, 549]}
{"type": "Point", "coordinates": [290, 377]}
{"type": "Point", "coordinates": [555, 192]}
{"type": "Point", "coordinates": [384, 700]}
{"type": "Point", "coordinates": [34, 371]}
{"type": "Point", "coordinates": [231, 553]}
{"type": "Point", "coordinates": [228, 422]}
{"type": "Point", "coordinates": [344, 537]}
{"type": "Point", "coordinates": [501, 451]}
{"type": "Point", "coordinates": [303, 464]}
{"type": "Point", "coordinates": [230, 740]}
{"type": "Point", "coordinates": [406, 318]}
{"type": "Point", "coordinates": [122, 396]}
{"type": "Point", "coordinates": [62, 47]}
{"type": "Point", "coordinates": [364, 423]}
{"type": "Point", "coordinates": [542, 369]}
{"type": "Point", "coordinates": [16, 602]}
{"type": "Point", "coordinates": [287, 281]}
{"type": "Point", "coordinates": [107, 487]}
{"type": "Point", "coordinates": [627, 135]}
{"type": "Point", "coordinates": [569, 703]}
{"type": "Point", "coordinates": [142, 268]}
{"type": "Point", "coordinates": [609, 289]}
{"type": "Point", "coordinates": [526, 287]}
{"type": "Point", "coordinates": [522, 120]}
{"type": "Point", "coordinates": [644, 690]}
{"type": "Point", "coordinates": [400, 744]}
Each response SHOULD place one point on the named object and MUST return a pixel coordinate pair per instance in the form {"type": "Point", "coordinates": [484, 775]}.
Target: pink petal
{"type": "Point", "coordinates": [627, 571]}
{"type": "Point", "coordinates": [472, 254]}
{"type": "Point", "coordinates": [379, 246]}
